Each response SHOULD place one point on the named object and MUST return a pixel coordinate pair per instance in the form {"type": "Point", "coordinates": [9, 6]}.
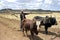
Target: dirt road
{"type": "Point", "coordinates": [9, 31]}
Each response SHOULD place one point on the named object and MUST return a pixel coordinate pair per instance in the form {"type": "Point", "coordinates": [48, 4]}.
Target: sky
{"type": "Point", "coordinates": [30, 4]}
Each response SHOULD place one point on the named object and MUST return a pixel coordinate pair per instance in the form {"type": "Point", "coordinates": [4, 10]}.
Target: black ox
{"type": "Point", "coordinates": [48, 22]}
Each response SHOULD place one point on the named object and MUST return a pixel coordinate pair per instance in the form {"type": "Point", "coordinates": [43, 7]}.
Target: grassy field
{"type": "Point", "coordinates": [29, 16]}
{"type": "Point", "coordinates": [10, 24]}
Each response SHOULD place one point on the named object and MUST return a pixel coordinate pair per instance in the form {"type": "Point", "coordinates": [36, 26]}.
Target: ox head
{"type": "Point", "coordinates": [53, 21]}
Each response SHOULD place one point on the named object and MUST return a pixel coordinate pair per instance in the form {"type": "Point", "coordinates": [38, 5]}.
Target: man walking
{"type": "Point", "coordinates": [22, 16]}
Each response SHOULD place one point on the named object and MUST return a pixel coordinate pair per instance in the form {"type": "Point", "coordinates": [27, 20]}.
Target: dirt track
{"type": "Point", "coordinates": [9, 31]}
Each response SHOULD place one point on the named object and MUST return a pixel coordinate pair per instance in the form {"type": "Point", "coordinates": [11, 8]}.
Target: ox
{"type": "Point", "coordinates": [29, 25]}
{"type": "Point", "coordinates": [48, 22]}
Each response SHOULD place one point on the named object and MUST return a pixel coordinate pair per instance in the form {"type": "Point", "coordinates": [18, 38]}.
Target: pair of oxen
{"type": "Point", "coordinates": [30, 25]}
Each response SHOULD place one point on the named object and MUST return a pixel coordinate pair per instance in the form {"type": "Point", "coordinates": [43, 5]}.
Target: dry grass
{"type": "Point", "coordinates": [10, 16]}
{"type": "Point", "coordinates": [30, 16]}
{"type": "Point", "coordinates": [9, 27]}
{"type": "Point", "coordinates": [57, 15]}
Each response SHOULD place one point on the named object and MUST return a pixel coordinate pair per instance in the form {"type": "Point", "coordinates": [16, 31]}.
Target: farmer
{"type": "Point", "coordinates": [22, 16]}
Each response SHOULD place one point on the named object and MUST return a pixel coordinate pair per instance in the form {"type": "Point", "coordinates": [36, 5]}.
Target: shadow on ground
{"type": "Point", "coordinates": [50, 33]}
{"type": "Point", "coordinates": [34, 38]}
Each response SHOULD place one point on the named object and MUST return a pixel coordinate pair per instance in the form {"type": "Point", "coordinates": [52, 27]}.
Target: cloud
{"type": "Point", "coordinates": [2, 4]}
{"type": "Point", "coordinates": [48, 2]}
{"type": "Point", "coordinates": [30, 4]}
{"type": "Point", "coordinates": [26, 5]}
{"type": "Point", "coordinates": [59, 3]}
{"type": "Point", "coordinates": [11, 0]}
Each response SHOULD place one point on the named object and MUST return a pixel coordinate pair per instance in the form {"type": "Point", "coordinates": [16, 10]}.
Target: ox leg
{"type": "Point", "coordinates": [23, 31]}
{"type": "Point", "coordinates": [39, 27]}
{"type": "Point", "coordinates": [21, 25]}
{"type": "Point", "coordinates": [26, 33]}
{"type": "Point", "coordinates": [32, 33]}
{"type": "Point", "coordinates": [46, 30]}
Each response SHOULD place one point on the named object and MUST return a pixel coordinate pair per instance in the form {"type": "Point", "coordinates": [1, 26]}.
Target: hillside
{"type": "Point", "coordinates": [27, 11]}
